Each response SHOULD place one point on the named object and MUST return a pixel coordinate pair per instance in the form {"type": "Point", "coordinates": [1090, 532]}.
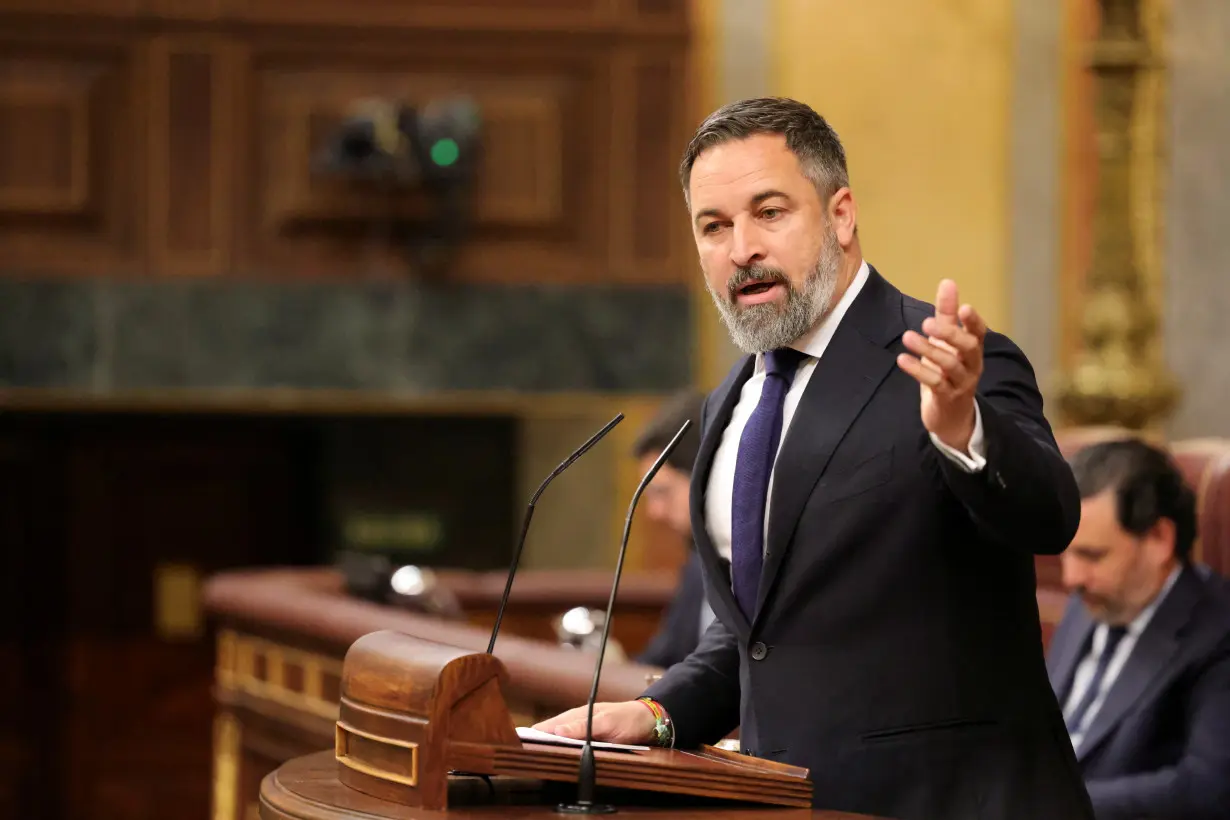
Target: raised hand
{"type": "Point", "coordinates": [947, 365]}
{"type": "Point", "coordinates": [625, 722]}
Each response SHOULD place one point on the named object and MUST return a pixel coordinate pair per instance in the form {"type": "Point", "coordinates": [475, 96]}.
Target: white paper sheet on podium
{"type": "Point", "coordinates": [534, 736]}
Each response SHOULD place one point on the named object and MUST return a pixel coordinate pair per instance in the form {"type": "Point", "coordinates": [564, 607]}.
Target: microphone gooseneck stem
{"type": "Point", "coordinates": [587, 775]}
{"type": "Point", "coordinates": [529, 514]}
{"type": "Point", "coordinates": [588, 779]}
{"type": "Point", "coordinates": [619, 568]}
{"type": "Point", "coordinates": [512, 570]}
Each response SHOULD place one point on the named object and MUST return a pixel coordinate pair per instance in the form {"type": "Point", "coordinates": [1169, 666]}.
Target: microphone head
{"type": "Point", "coordinates": [581, 629]}
{"type": "Point", "coordinates": [419, 589]}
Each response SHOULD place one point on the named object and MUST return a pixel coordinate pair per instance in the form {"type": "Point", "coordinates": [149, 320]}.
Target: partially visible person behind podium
{"type": "Point", "coordinates": [880, 472]}
{"type": "Point", "coordinates": [1141, 659]}
{"type": "Point", "coordinates": [666, 501]}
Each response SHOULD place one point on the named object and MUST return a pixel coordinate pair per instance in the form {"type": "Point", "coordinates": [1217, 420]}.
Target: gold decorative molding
{"type": "Point", "coordinates": [178, 615]}
{"type": "Point", "coordinates": [1119, 377]}
{"type": "Point", "coordinates": [399, 758]}
{"type": "Point", "coordinates": [259, 668]}
{"type": "Point", "coordinates": [226, 767]}
{"type": "Point", "coordinates": [1149, 136]}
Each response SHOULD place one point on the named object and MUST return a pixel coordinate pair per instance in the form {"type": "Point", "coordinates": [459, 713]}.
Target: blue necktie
{"type": "Point", "coordinates": [1113, 635]}
{"type": "Point", "coordinates": [753, 466]}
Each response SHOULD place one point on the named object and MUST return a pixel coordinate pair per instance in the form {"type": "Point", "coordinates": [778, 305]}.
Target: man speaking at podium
{"type": "Point", "coordinates": [880, 474]}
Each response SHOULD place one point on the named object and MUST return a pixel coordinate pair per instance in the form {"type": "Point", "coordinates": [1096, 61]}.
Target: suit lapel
{"type": "Point", "coordinates": [844, 380]}
{"type": "Point", "coordinates": [1069, 645]}
{"type": "Point", "coordinates": [1149, 661]}
{"type": "Point", "coordinates": [727, 396]}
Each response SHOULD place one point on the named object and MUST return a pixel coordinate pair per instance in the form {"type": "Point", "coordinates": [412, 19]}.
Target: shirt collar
{"type": "Point", "coordinates": [815, 341]}
{"type": "Point", "coordinates": [1138, 624]}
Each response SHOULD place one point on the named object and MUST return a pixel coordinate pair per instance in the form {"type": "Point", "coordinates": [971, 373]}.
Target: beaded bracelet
{"type": "Point", "coordinates": [663, 729]}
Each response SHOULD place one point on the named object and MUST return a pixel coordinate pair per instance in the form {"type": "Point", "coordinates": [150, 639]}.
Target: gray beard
{"type": "Point", "coordinates": [769, 326]}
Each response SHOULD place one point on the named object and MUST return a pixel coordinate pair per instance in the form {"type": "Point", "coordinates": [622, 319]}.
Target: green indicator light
{"type": "Point", "coordinates": [445, 152]}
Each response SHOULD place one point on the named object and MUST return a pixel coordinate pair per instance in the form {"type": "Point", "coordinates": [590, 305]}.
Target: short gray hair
{"type": "Point", "coordinates": [808, 136]}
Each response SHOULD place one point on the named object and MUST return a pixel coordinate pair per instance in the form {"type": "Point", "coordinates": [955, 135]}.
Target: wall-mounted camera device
{"type": "Point", "coordinates": [432, 147]}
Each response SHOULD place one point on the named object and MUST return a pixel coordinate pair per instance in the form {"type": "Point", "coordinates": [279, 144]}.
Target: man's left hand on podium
{"type": "Point", "coordinates": [626, 722]}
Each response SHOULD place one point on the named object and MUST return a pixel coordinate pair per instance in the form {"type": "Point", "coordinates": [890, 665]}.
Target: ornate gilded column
{"type": "Point", "coordinates": [1119, 377]}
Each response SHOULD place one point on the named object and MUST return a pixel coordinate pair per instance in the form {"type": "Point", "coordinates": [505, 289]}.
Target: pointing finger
{"type": "Point", "coordinates": [946, 300]}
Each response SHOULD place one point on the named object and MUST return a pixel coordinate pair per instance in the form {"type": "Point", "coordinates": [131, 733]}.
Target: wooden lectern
{"type": "Point", "coordinates": [424, 732]}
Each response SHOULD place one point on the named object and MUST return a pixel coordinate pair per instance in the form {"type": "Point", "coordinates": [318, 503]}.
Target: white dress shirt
{"type": "Point", "coordinates": [720, 493]}
{"type": "Point", "coordinates": [1085, 671]}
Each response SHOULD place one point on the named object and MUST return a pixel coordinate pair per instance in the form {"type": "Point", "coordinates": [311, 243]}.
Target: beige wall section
{"type": "Point", "coordinates": [921, 99]}
{"type": "Point", "coordinates": [1197, 246]}
{"type": "Point", "coordinates": [1036, 197]}
{"type": "Point", "coordinates": [978, 85]}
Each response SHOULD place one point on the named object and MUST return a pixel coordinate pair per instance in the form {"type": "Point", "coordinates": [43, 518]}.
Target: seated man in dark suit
{"type": "Point", "coordinates": [666, 501]}
{"type": "Point", "coordinates": [1141, 661]}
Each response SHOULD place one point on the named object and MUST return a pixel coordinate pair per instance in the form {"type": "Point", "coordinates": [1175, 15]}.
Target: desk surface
{"type": "Point", "coordinates": [307, 788]}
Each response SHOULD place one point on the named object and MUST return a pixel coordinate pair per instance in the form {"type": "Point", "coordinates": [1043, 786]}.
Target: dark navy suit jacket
{"type": "Point", "coordinates": [1159, 746]}
{"type": "Point", "coordinates": [679, 631]}
{"type": "Point", "coordinates": [895, 650]}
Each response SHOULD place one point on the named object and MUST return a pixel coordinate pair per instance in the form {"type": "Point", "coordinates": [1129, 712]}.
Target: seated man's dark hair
{"type": "Point", "coordinates": [1147, 485]}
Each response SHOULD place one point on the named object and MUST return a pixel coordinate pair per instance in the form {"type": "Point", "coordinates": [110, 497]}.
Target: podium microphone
{"type": "Point", "coordinates": [529, 513]}
{"type": "Point", "coordinates": [587, 778]}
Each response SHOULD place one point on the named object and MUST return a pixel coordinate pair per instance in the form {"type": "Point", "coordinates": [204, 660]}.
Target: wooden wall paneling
{"type": "Point", "coordinates": [47, 167]}
{"type": "Point", "coordinates": [191, 153]}
{"type": "Point", "coordinates": [73, 8]}
{"type": "Point", "coordinates": [665, 12]}
{"type": "Point", "coordinates": [112, 174]}
{"type": "Point", "coordinates": [645, 17]}
{"type": "Point", "coordinates": [15, 749]}
{"type": "Point", "coordinates": [69, 190]}
{"type": "Point", "coordinates": [646, 141]}
{"type": "Point", "coordinates": [66, 191]}
{"type": "Point", "coordinates": [535, 209]}
{"type": "Point", "coordinates": [659, 143]}
{"type": "Point", "coordinates": [450, 15]}
{"type": "Point", "coordinates": [31, 623]}
{"type": "Point", "coordinates": [622, 177]}
{"type": "Point", "coordinates": [649, 17]}
{"type": "Point", "coordinates": [138, 707]}
{"type": "Point", "coordinates": [204, 11]}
